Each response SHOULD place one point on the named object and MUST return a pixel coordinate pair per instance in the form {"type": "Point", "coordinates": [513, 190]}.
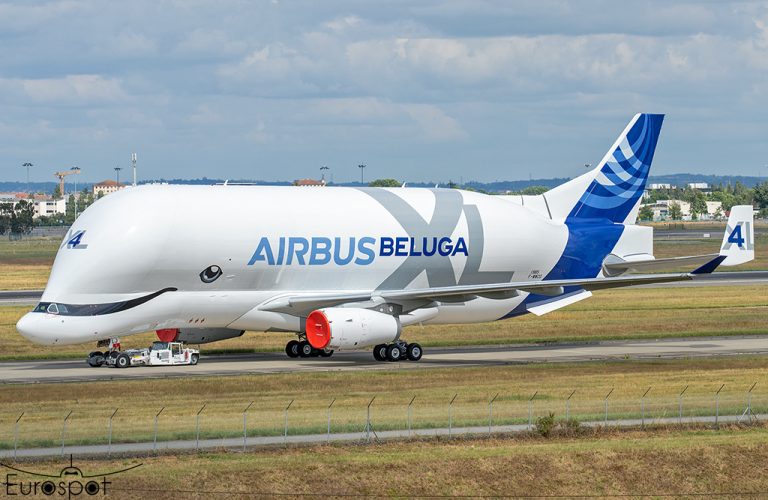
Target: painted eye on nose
{"type": "Point", "coordinates": [210, 274]}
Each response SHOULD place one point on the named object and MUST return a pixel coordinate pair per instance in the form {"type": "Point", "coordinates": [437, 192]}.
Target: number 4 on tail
{"type": "Point", "coordinates": [736, 237]}
{"type": "Point", "coordinates": [74, 241]}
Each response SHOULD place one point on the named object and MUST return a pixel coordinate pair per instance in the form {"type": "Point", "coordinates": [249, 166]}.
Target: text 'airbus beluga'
{"type": "Point", "coordinates": [347, 268]}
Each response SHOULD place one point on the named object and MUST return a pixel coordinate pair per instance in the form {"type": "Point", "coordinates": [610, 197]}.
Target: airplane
{"type": "Point", "coordinates": [347, 268]}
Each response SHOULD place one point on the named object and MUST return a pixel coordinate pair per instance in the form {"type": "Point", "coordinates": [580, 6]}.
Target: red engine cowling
{"type": "Point", "coordinates": [168, 334]}
{"type": "Point", "coordinates": [340, 328]}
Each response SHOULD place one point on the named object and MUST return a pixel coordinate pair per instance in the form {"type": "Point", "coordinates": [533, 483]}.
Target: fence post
{"type": "Point", "coordinates": [109, 446]}
{"type": "Point", "coordinates": [16, 436]}
{"type": "Point", "coordinates": [568, 405]}
{"type": "Point", "coordinates": [64, 431]}
{"type": "Point", "coordinates": [642, 405]}
{"type": "Point", "coordinates": [450, 416]}
{"type": "Point", "coordinates": [530, 411]}
{"type": "Point", "coordinates": [605, 401]}
{"type": "Point", "coordinates": [410, 415]}
{"type": "Point", "coordinates": [490, 412]}
{"type": "Point", "coordinates": [154, 441]}
{"type": "Point", "coordinates": [328, 435]}
{"type": "Point", "coordinates": [680, 406]}
{"type": "Point", "coordinates": [285, 421]}
{"type": "Point", "coordinates": [197, 427]}
{"type": "Point", "coordinates": [368, 421]}
{"type": "Point", "coordinates": [245, 424]}
{"type": "Point", "coordinates": [748, 410]}
{"type": "Point", "coordinates": [717, 405]}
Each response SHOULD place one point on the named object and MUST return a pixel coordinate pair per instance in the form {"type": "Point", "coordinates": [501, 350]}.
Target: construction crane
{"type": "Point", "coordinates": [61, 175]}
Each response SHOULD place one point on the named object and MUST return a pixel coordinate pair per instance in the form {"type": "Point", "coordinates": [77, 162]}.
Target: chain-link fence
{"type": "Point", "coordinates": [363, 416]}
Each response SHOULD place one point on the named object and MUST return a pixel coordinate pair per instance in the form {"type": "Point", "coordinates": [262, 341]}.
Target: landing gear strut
{"type": "Point", "coordinates": [302, 349]}
{"type": "Point", "coordinates": [397, 351]}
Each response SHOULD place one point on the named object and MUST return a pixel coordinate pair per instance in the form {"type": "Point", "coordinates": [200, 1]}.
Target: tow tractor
{"type": "Point", "coordinates": [159, 353]}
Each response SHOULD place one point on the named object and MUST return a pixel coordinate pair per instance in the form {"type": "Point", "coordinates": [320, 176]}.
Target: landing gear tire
{"type": "Point", "coordinates": [394, 353]}
{"type": "Point", "coordinates": [123, 361]}
{"type": "Point", "coordinates": [413, 352]}
{"type": "Point", "coordinates": [326, 354]}
{"type": "Point", "coordinates": [292, 349]}
{"type": "Point", "coordinates": [305, 349]}
{"type": "Point", "coordinates": [380, 352]}
{"type": "Point", "coordinates": [96, 359]}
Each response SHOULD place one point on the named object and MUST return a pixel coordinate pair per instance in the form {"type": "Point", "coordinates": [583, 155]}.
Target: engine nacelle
{"type": "Point", "coordinates": [341, 328]}
{"type": "Point", "coordinates": [197, 335]}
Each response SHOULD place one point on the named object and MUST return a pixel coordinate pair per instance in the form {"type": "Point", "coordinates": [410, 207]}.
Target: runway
{"type": "Point", "coordinates": [25, 372]}
{"type": "Point", "coordinates": [31, 297]}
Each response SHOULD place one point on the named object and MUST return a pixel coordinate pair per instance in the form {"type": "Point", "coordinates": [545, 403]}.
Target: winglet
{"type": "Point", "coordinates": [739, 239]}
{"type": "Point", "coordinates": [710, 266]}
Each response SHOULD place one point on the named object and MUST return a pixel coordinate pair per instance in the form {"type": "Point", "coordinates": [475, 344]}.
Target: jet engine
{"type": "Point", "coordinates": [339, 328]}
{"type": "Point", "coordinates": [197, 335]}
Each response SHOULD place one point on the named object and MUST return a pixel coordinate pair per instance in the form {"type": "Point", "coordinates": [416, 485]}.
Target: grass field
{"type": "Point", "coordinates": [729, 462]}
{"type": "Point", "coordinates": [610, 314]}
{"type": "Point", "coordinates": [45, 405]}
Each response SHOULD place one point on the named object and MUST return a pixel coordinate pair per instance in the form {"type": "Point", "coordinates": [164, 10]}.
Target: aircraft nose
{"type": "Point", "coordinates": [36, 327]}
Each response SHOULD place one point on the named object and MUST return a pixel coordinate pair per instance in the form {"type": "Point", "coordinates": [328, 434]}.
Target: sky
{"type": "Point", "coordinates": [415, 90]}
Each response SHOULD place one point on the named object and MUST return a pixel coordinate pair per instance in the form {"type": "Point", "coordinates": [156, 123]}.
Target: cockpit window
{"type": "Point", "coordinates": [96, 309]}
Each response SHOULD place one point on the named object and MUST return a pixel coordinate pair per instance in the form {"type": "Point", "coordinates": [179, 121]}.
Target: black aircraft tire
{"type": "Point", "coordinates": [380, 352]}
{"type": "Point", "coordinates": [305, 350]}
{"type": "Point", "coordinates": [292, 349]}
{"type": "Point", "coordinates": [414, 352]}
{"type": "Point", "coordinates": [394, 353]}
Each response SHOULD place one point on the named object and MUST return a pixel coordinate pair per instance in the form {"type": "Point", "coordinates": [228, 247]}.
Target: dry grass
{"type": "Point", "coordinates": [226, 397]}
{"type": "Point", "coordinates": [676, 463]}
{"type": "Point", "coordinates": [610, 314]}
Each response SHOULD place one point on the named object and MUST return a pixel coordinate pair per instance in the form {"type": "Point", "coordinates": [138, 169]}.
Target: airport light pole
{"type": "Point", "coordinates": [322, 174]}
{"type": "Point", "coordinates": [76, 170]}
{"type": "Point", "coordinates": [27, 165]}
{"type": "Point", "coordinates": [362, 170]}
{"type": "Point", "coordinates": [118, 169]}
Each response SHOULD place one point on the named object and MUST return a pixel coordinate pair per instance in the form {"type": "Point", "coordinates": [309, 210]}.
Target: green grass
{"type": "Point", "coordinates": [45, 405]}
{"type": "Point", "coordinates": [664, 462]}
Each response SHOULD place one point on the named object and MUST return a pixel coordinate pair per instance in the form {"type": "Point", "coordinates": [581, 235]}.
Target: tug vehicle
{"type": "Point", "coordinates": [158, 354]}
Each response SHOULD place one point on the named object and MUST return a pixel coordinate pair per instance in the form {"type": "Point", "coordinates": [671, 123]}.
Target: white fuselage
{"type": "Point", "coordinates": [274, 241]}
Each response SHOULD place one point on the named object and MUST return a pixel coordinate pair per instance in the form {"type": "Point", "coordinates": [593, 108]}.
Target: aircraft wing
{"type": "Point", "coordinates": [658, 264]}
{"type": "Point", "coordinates": [303, 304]}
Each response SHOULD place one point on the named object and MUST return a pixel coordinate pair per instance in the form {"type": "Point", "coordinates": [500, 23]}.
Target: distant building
{"type": "Point", "coordinates": [702, 186]}
{"type": "Point", "coordinates": [44, 205]}
{"type": "Point", "coordinates": [661, 210]}
{"type": "Point", "coordinates": [107, 187]}
{"type": "Point", "coordinates": [309, 183]}
{"type": "Point", "coordinates": [654, 187]}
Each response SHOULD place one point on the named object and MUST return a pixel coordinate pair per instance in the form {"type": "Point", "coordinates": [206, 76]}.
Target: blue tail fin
{"type": "Point", "coordinates": [619, 180]}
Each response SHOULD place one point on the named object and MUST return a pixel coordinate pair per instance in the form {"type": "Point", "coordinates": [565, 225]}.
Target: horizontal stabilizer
{"type": "Point", "coordinates": [547, 306]}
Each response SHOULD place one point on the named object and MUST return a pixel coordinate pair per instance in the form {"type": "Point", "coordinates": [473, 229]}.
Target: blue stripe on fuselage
{"type": "Point", "coordinates": [589, 242]}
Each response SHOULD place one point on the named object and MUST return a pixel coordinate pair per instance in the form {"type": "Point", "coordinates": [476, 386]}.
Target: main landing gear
{"type": "Point", "coordinates": [302, 349]}
{"type": "Point", "coordinates": [397, 351]}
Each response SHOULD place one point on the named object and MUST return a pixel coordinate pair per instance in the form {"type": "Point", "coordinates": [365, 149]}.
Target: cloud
{"type": "Point", "coordinates": [442, 85]}
{"type": "Point", "coordinates": [77, 89]}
